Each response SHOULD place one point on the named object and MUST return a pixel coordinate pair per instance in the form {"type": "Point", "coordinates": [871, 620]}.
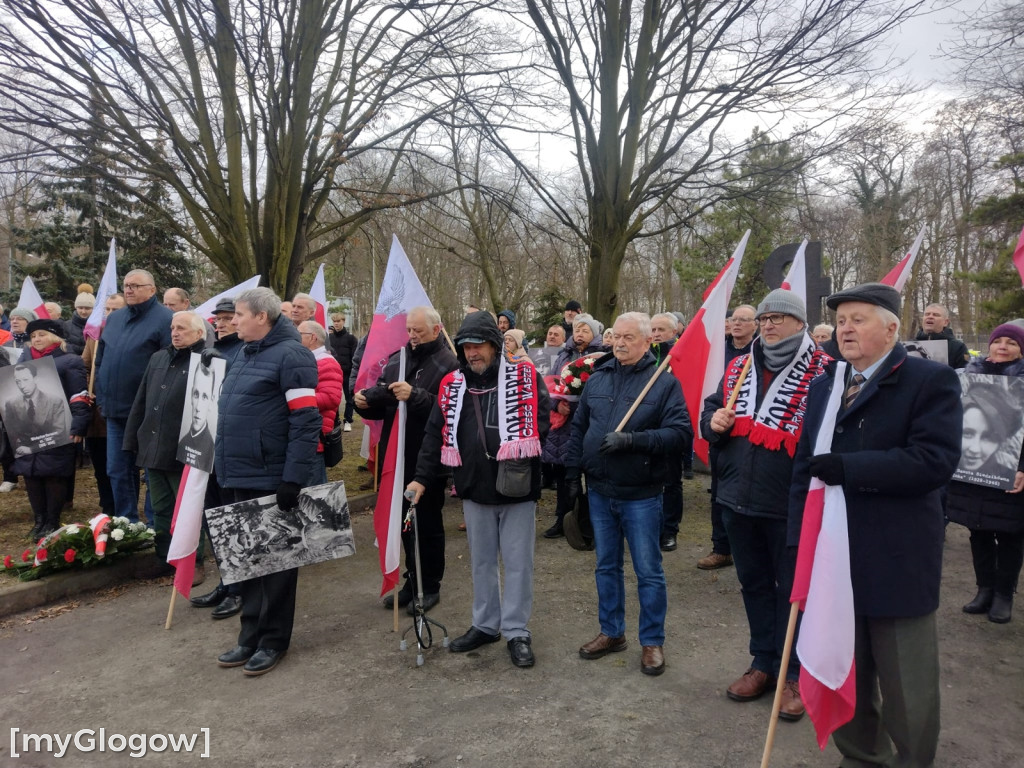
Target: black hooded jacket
{"type": "Point", "coordinates": [476, 479]}
{"type": "Point", "coordinates": [957, 350]}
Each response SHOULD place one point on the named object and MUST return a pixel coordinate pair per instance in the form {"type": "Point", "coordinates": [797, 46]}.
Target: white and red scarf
{"type": "Point", "coordinates": [779, 420]}
{"type": "Point", "coordinates": [518, 431]}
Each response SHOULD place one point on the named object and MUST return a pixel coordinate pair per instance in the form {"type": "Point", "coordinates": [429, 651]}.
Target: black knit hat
{"type": "Point", "coordinates": [46, 324]}
{"type": "Point", "coordinates": [879, 294]}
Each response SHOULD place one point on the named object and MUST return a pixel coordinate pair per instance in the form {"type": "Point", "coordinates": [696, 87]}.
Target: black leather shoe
{"type": "Point", "coordinates": [236, 657]}
{"type": "Point", "coordinates": [429, 601]}
{"type": "Point", "coordinates": [405, 596]}
{"type": "Point", "coordinates": [668, 542]}
{"type": "Point", "coordinates": [472, 640]}
{"type": "Point", "coordinates": [229, 606]}
{"type": "Point", "coordinates": [210, 599]}
{"type": "Point", "coordinates": [556, 531]}
{"type": "Point", "coordinates": [520, 651]}
{"type": "Point", "coordinates": [264, 660]}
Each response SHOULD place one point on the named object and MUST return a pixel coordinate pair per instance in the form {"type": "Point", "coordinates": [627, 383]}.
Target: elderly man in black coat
{"type": "Point", "coordinates": [895, 445]}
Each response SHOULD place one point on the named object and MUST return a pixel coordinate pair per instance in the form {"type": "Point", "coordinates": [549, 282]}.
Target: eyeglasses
{"type": "Point", "coordinates": [136, 286]}
{"type": "Point", "coordinates": [772, 319]}
{"type": "Point", "coordinates": [743, 320]}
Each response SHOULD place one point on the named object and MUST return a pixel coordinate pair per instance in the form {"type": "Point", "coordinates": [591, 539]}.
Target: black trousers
{"type": "Point", "coordinates": [997, 560]}
{"type": "Point", "coordinates": [672, 496]}
{"type": "Point", "coordinates": [47, 495]}
{"type": "Point", "coordinates": [431, 526]}
{"type": "Point", "coordinates": [268, 602]}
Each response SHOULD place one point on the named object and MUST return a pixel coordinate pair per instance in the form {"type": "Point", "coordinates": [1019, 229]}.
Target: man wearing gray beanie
{"type": "Point", "coordinates": [756, 441]}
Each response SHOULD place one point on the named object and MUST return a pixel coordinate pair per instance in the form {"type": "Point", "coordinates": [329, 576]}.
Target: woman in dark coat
{"type": "Point", "coordinates": [48, 472]}
{"type": "Point", "coordinates": [556, 446]}
{"type": "Point", "coordinates": [995, 517]}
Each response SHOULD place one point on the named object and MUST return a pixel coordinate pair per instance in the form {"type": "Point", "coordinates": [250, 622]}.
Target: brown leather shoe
{"type": "Point", "coordinates": [750, 686]}
{"type": "Point", "coordinates": [791, 707]}
{"type": "Point", "coordinates": [713, 561]}
{"type": "Point", "coordinates": [602, 645]}
{"type": "Point", "coordinates": [652, 660]}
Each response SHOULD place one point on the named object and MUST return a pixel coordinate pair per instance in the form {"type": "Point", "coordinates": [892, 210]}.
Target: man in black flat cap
{"type": "Point", "coordinates": [895, 445]}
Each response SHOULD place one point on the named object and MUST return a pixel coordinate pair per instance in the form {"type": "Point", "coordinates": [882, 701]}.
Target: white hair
{"type": "Point", "coordinates": [888, 317]}
{"type": "Point", "coordinates": [195, 321]}
{"type": "Point", "coordinates": [318, 331]}
{"type": "Point", "coordinates": [642, 320]}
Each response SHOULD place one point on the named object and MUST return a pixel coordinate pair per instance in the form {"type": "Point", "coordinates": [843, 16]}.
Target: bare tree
{"type": "Point", "coordinates": [650, 85]}
{"type": "Point", "coordinates": [264, 107]}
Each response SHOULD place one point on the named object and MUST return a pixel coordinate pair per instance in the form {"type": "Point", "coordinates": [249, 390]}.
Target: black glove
{"type": "Point", "coordinates": [288, 496]}
{"type": "Point", "coordinates": [616, 442]}
{"type": "Point", "coordinates": [207, 355]}
{"type": "Point", "coordinates": [828, 467]}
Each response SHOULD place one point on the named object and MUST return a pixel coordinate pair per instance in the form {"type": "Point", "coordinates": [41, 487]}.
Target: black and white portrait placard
{"type": "Point", "coordinates": [254, 538]}
{"type": "Point", "coordinates": [544, 360]}
{"type": "Point", "coordinates": [13, 354]}
{"type": "Point", "coordinates": [993, 429]}
{"type": "Point", "coordinates": [199, 418]}
{"type": "Point", "coordinates": [936, 350]}
{"type": "Point", "coordinates": [33, 406]}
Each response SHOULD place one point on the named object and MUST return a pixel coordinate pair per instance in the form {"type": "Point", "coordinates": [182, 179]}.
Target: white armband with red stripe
{"type": "Point", "coordinates": [81, 397]}
{"type": "Point", "coordinates": [300, 398]}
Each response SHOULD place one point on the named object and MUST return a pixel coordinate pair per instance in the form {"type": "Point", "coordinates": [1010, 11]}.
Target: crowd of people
{"type": "Point", "coordinates": [501, 422]}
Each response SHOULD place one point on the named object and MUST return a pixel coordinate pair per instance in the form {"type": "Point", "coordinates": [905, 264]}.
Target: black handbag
{"type": "Point", "coordinates": [334, 452]}
{"type": "Point", "coordinates": [579, 532]}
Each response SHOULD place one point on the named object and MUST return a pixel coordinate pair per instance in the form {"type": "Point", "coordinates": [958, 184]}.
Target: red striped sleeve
{"type": "Point", "coordinates": [81, 397]}
{"type": "Point", "coordinates": [300, 398]}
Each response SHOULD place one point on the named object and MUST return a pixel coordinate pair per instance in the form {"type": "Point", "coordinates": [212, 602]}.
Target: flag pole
{"type": "Point", "coordinates": [643, 394]}
{"type": "Point", "coordinates": [394, 604]}
{"type": "Point", "coordinates": [739, 382]}
{"type": "Point", "coordinates": [450, 342]}
{"type": "Point", "coordinates": [170, 609]}
{"type": "Point", "coordinates": [787, 649]}
{"type": "Point", "coordinates": [92, 370]}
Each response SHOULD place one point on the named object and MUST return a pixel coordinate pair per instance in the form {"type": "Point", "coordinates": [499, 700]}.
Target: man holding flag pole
{"type": "Point", "coordinates": [871, 674]}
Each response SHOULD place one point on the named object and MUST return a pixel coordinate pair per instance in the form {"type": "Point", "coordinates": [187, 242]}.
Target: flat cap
{"type": "Point", "coordinates": [225, 305]}
{"type": "Point", "coordinates": [879, 294]}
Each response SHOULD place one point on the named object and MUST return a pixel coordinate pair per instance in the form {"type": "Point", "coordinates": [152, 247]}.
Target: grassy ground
{"type": "Point", "coordinates": [16, 513]}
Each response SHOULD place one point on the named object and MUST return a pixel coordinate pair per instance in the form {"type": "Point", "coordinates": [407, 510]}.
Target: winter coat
{"type": "Point", "coordinates": [660, 426]}
{"type": "Point", "coordinates": [329, 383]}
{"type": "Point", "coordinates": [154, 422]}
{"type": "Point", "coordinates": [976, 506]}
{"type": "Point", "coordinates": [60, 461]}
{"type": "Point", "coordinates": [74, 328]}
{"type": "Point", "coordinates": [956, 349]}
{"type": "Point", "coordinates": [477, 477]}
{"type": "Point", "coordinates": [267, 421]}
{"type": "Point", "coordinates": [556, 446]}
{"type": "Point", "coordinates": [900, 444]}
{"type": "Point", "coordinates": [343, 345]}
{"type": "Point", "coordinates": [752, 480]}
{"type": "Point", "coordinates": [425, 366]}
{"type": "Point", "coordinates": [130, 337]}
{"type": "Point", "coordinates": [228, 346]}
{"type": "Point", "coordinates": [569, 354]}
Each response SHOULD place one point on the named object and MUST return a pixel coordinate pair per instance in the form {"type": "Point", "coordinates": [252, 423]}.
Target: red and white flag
{"type": "Point", "coordinates": [30, 299]}
{"type": "Point", "coordinates": [822, 586]}
{"type": "Point", "coordinates": [319, 294]}
{"type": "Point", "coordinates": [108, 287]}
{"type": "Point", "coordinates": [186, 526]}
{"type": "Point", "coordinates": [387, 513]}
{"type": "Point", "coordinates": [1018, 257]}
{"type": "Point", "coordinates": [796, 277]}
{"type": "Point", "coordinates": [205, 310]}
{"type": "Point", "coordinates": [899, 274]}
{"type": "Point", "coordinates": [697, 360]}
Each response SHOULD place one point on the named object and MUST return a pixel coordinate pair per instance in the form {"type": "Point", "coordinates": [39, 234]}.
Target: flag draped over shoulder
{"type": "Point", "coordinates": [899, 274]}
{"type": "Point", "coordinates": [822, 586]}
{"type": "Point", "coordinates": [697, 360]}
{"type": "Point", "coordinates": [30, 299]}
{"type": "Point", "coordinates": [796, 277]}
{"type": "Point", "coordinates": [205, 310]}
{"type": "Point", "coordinates": [108, 287]}
{"type": "Point", "coordinates": [319, 294]}
{"type": "Point", "coordinates": [186, 526]}
{"type": "Point", "coordinates": [387, 513]}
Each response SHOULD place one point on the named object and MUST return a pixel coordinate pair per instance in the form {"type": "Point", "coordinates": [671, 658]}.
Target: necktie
{"type": "Point", "coordinates": [854, 389]}
{"type": "Point", "coordinates": [31, 410]}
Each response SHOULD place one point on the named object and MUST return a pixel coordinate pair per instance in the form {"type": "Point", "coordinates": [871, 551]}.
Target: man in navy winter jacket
{"type": "Point", "coordinates": [130, 338]}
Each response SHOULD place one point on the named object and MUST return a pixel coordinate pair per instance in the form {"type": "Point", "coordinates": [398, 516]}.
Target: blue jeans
{"type": "Point", "coordinates": [765, 569]}
{"type": "Point", "coordinates": [124, 476]}
{"type": "Point", "coordinates": [639, 522]}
